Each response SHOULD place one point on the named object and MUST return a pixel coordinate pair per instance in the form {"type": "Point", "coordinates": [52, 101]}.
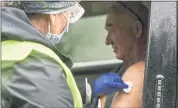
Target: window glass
{"type": "Point", "coordinates": [85, 40]}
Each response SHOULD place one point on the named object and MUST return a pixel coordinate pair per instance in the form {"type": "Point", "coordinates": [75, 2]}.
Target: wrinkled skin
{"type": "Point", "coordinates": [125, 37]}
{"type": "Point", "coordinates": [120, 35]}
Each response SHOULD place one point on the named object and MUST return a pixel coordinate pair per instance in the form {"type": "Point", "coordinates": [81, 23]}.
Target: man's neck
{"type": "Point", "coordinates": [134, 56]}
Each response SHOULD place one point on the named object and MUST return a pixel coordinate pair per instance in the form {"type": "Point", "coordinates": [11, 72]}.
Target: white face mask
{"type": "Point", "coordinates": [56, 38]}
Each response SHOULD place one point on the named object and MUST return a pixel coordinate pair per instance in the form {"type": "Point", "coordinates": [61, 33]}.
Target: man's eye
{"type": "Point", "coordinates": [110, 30]}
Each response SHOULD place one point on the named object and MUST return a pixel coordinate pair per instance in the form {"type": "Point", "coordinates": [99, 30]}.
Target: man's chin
{"type": "Point", "coordinates": [118, 56]}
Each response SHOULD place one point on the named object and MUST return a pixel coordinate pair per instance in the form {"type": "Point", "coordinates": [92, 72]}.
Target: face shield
{"type": "Point", "coordinates": [76, 13]}
{"type": "Point", "coordinates": [71, 9]}
{"type": "Point", "coordinates": [54, 7]}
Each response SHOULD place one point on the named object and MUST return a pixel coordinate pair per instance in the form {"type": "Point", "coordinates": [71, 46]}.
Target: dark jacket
{"type": "Point", "coordinates": [38, 81]}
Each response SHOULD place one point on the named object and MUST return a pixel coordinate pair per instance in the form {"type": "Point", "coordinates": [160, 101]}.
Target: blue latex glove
{"type": "Point", "coordinates": [108, 83]}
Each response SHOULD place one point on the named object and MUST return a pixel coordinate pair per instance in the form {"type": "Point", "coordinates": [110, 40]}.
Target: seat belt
{"type": "Point", "coordinates": [120, 70]}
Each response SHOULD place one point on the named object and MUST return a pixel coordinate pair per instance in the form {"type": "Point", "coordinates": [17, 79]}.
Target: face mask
{"type": "Point", "coordinates": [55, 39]}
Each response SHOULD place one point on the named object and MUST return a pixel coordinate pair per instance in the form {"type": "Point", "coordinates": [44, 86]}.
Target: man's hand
{"type": "Point", "coordinates": [108, 83]}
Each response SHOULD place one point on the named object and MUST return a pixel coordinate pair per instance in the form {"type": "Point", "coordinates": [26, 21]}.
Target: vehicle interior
{"type": "Point", "coordinates": [85, 43]}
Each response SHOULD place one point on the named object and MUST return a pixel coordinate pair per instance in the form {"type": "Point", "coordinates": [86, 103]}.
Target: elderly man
{"type": "Point", "coordinates": [126, 25]}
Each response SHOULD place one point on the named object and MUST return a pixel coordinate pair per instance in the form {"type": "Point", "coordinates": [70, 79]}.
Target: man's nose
{"type": "Point", "coordinates": [108, 41]}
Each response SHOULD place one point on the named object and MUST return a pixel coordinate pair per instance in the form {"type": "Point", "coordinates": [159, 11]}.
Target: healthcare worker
{"type": "Point", "coordinates": [35, 74]}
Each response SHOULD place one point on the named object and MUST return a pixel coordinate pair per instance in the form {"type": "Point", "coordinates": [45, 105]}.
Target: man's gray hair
{"type": "Point", "coordinates": [136, 8]}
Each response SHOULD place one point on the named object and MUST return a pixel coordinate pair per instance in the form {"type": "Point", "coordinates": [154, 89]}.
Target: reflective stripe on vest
{"type": "Point", "coordinates": [17, 50]}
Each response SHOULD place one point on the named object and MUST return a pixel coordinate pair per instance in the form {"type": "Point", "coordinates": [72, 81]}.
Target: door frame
{"type": "Point", "coordinates": [161, 63]}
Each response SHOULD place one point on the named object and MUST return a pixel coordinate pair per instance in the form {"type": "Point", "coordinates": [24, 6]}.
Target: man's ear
{"type": "Point", "coordinates": [137, 29]}
{"type": "Point", "coordinates": [52, 18]}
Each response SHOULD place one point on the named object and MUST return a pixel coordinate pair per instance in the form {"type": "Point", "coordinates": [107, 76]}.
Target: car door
{"type": "Point", "coordinates": [160, 86]}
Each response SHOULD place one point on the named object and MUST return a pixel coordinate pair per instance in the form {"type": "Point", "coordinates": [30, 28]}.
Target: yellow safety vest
{"type": "Point", "coordinates": [18, 50]}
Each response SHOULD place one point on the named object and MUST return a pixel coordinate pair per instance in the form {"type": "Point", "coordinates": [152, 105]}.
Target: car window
{"type": "Point", "coordinates": [85, 40]}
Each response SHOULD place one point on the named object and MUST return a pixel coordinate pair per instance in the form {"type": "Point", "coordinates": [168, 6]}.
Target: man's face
{"type": "Point", "coordinates": [119, 28]}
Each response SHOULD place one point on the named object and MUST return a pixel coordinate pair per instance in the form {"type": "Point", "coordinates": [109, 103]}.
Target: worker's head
{"type": "Point", "coordinates": [127, 25]}
{"type": "Point", "coordinates": [52, 18]}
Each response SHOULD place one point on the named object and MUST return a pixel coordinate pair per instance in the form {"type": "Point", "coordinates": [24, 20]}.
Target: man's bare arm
{"type": "Point", "coordinates": [135, 74]}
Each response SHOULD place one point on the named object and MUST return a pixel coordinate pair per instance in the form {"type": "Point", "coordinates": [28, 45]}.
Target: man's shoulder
{"type": "Point", "coordinates": [135, 72]}
{"type": "Point", "coordinates": [137, 68]}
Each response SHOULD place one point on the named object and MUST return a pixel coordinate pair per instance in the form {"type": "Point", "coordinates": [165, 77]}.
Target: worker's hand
{"type": "Point", "coordinates": [108, 83]}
